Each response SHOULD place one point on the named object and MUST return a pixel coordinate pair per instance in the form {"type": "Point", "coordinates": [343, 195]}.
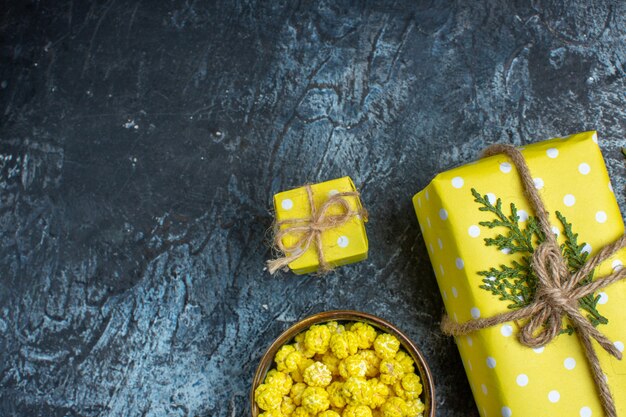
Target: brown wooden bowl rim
{"type": "Point", "coordinates": [350, 315]}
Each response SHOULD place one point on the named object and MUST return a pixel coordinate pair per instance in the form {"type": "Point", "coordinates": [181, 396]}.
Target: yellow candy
{"type": "Point", "coordinates": [394, 407]}
{"type": "Point", "coordinates": [280, 380]}
{"type": "Point", "coordinates": [386, 346]}
{"type": "Point", "coordinates": [331, 362]}
{"type": "Point", "coordinates": [353, 365]}
{"type": "Point", "coordinates": [412, 382]}
{"type": "Point", "coordinates": [267, 397]}
{"type": "Point", "coordinates": [301, 346]}
{"type": "Point", "coordinates": [414, 408]}
{"type": "Point", "coordinates": [357, 411]}
{"type": "Point", "coordinates": [409, 388]}
{"type": "Point", "coordinates": [317, 375]}
{"type": "Point", "coordinates": [378, 393]}
{"type": "Point", "coordinates": [406, 361]}
{"type": "Point", "coordinates": [365, 334]}
{"type": "Point", "coordinates": [271, 413]}
{"type": "Point", "coordinates": [296, 363]}
{"type": "Point", "coordinates": [296, 392]}
{"type": "Point", "coordinates": [335, 394]}
{"type": "Point", "coordinates": [355, 390]}
{"type": "Point", "coordinates": [391, 371]}
{"type": "Point", "coordinates": [293, 361]}
{"type": "Point", "coordinates": [296, 376]}
{"type": "Point", "coordinates": [305, 364]}
{"type": "Point", "coordinates": [315, 400]}
{"type": "Point", "coordinates": [317, 338]}
{"type": "Point", "coordinates": [300, 412]}
{"type": "Point", "coordinates": [299, 339]}
{"type": "Point", "coordinates": [329, 413]}
{"type": "Point", "coordinates": [335, 327]}
{"type": "Point", "coordinates": [281, 355]}
{"type": "Point", "coordinates": [344, 344]}
{"type": "Point", "coordinates": [287, 407]}
{"type": "Point", "coordinates": [373, 362]}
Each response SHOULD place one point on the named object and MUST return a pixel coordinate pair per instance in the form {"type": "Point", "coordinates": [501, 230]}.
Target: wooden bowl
{"type": "Point", "coordinates": [267, 361]}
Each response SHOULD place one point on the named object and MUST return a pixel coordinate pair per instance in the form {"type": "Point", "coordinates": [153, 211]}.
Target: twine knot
{"type": "Point", "coordinates": [551, 299]}
{"type": "Point", "coordinates": [310, 229]}
{"type": "Point", "coordinates": [558, 291]}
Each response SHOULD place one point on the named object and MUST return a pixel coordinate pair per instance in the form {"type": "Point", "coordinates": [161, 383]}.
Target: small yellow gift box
{"type": "Point", "coordinates": [480, 231]}
{"type": "Point", "coordinates": [319, 227]}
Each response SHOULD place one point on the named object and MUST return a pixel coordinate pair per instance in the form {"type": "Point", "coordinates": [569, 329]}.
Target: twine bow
{"type": "Point", "coordinates": [311, 228]}
{"type": "Point", "coordinates": [558, 291]}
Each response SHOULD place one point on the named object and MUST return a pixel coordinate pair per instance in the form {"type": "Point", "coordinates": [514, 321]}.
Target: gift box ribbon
{"type": "Point", "coordinates": [311, 229]}
{"type": "Point", "coordinates": [558, 290]}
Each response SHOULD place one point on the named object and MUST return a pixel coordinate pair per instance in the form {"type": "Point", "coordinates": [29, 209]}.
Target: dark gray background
{"type": "Point", "coordinates": [141, 143]}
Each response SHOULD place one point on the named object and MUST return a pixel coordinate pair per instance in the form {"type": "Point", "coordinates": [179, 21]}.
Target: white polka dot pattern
{"type": "Point", "coordinates": [505, 167]}
{"type": "Point", "coordinates": [552, 153]}
{"type": "Point", "coordinates": [584, 168]}
{"type": "Point", "coordinates": [459, 263]}
{"type": "Point", "coordinates": [585, 412]}
{"type": "Point", "coordinates": [287, 204]}
{"type": "Point", "coordinates": [554, 396]}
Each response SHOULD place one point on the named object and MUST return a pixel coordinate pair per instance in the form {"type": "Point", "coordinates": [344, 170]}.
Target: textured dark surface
{"type": "Point", "coordinates": [141, 143]}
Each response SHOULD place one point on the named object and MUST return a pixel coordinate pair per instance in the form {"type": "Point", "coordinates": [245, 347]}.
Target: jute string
{"type": "Point", "coordinates": [310, 230]}
{"type": "Point", "coordinates": [558, 290]}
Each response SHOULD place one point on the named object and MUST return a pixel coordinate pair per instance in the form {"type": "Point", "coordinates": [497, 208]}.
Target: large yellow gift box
{"type": "Point", "coordinates": [476, 269]}
{"type": "Point", "coordinates": [342, 244]}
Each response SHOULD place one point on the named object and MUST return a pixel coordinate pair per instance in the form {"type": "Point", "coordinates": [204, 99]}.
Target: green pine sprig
{"type": "Point", "coordinates": [516, 283]}
{"type": "Point", "coordinates": [576, 256]}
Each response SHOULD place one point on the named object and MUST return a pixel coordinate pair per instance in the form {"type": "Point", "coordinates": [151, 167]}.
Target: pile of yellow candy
{"type": "Point", "coordinates": [336, 370]}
